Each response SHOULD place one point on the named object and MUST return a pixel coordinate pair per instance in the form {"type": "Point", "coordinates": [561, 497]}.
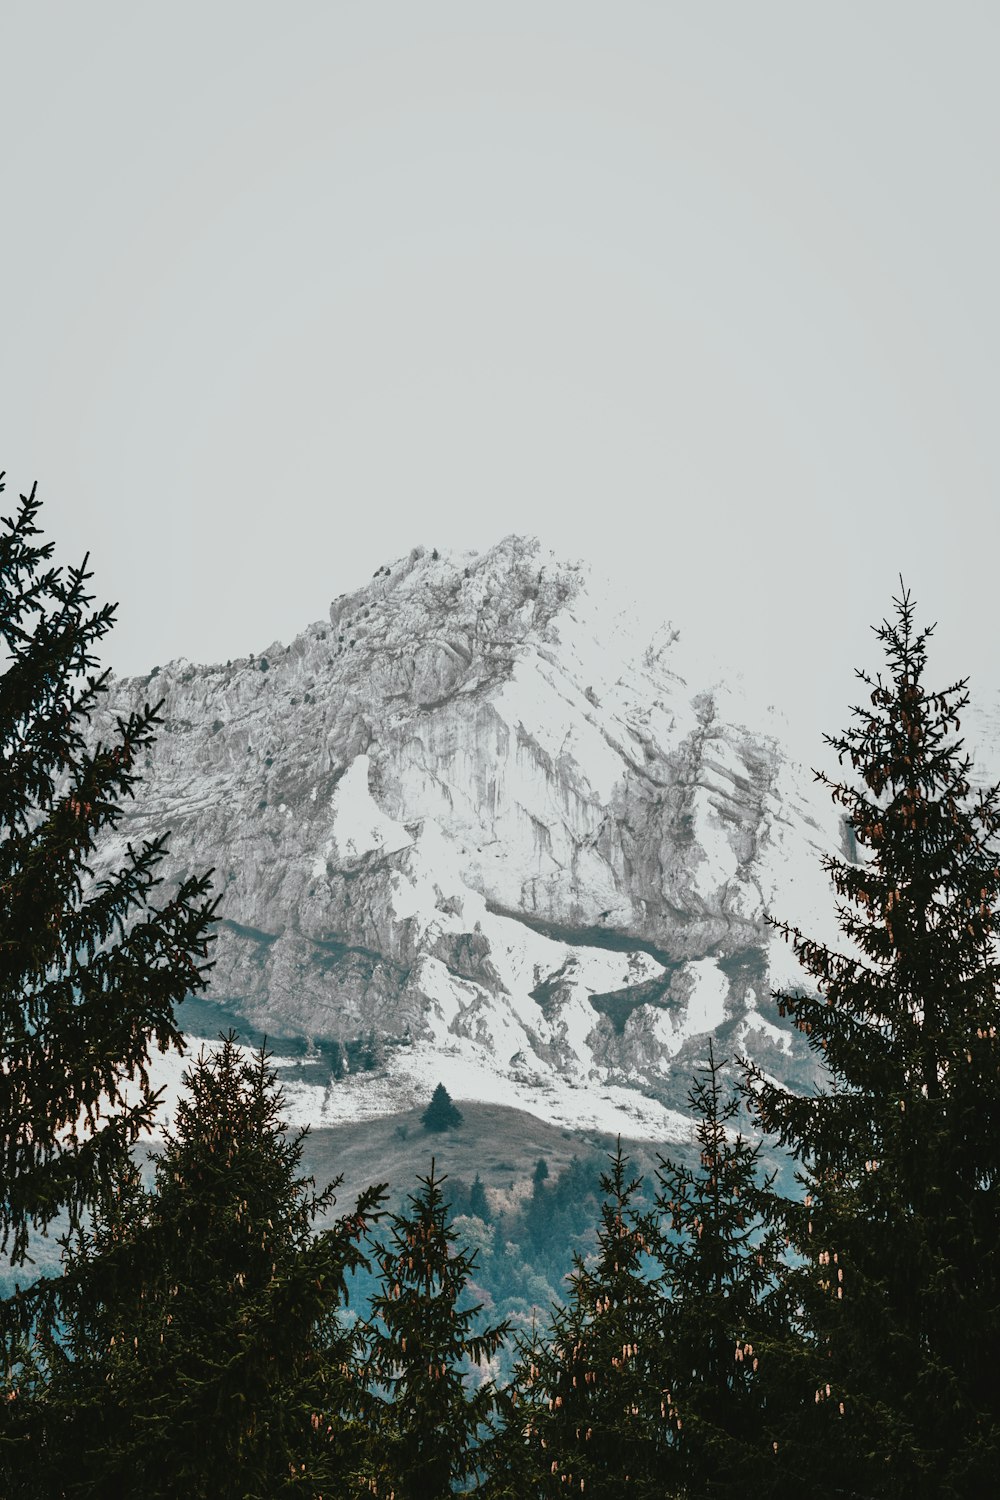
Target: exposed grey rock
{"type": "Point", "coordinates": [477, 805]}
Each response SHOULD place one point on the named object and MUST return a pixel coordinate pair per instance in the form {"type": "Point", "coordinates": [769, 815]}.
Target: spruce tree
{"type": "Point", "coordinates": [587, 1396]}
{"type": "Point", "coordinates": [513, 1457]}
{"type": "Point", "coordinates": [478, 1201]}
{"type": "Point", "coordinates": [724, 1332]}
{"type": "Point", "coordinates": [90, 972]}
{"type": "Point", "coordinates": [899, 1232]}
{"type": "Point", "coordinates": [441, 1114]}
{"type": "Point", "coordinates": [195, 1347]}
{"type": "Point", "coordinates": [421, 1349]}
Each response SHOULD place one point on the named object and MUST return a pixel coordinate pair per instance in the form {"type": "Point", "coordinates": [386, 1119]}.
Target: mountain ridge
{"type": "Point", "coordinates": [519, 833]}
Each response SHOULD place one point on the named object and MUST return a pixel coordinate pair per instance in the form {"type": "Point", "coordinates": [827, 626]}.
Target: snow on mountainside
{"type": "Point", "coordinates": [485, 815]}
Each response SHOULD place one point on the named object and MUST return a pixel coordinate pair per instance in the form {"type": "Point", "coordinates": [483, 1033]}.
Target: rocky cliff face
{"type": "Point", "coordinates": [477, 813]}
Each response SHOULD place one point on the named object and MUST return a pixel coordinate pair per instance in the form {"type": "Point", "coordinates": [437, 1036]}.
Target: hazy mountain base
{"type": "Point", "coordinates": [528, 1239]}
{"type": "Point", "coordinates": [532, 1230]}
{"type": "Point", "coordinates": [536, 1223]}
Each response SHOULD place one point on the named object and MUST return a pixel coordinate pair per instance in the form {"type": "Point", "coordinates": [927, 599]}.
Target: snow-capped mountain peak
{"type": "Point", "coordinates": [491, 816]}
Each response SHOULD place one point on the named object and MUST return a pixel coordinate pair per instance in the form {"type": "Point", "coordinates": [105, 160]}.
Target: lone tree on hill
{"type": "Point", "coordinates": [90, 972]}
{"type": "Point", "coordinates": [441, 1113]}
{"type": "Point", "coordinates": [899, 1233]}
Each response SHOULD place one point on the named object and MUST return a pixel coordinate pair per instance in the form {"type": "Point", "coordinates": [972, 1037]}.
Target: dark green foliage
{"type": "Point", "coordinates": [899, 1234]}
{"type": "Point", "coordinates": [724, 1327]}
{"type": "Point", "coordinates": [478, 1204]}
{"type": "Point", "coordinates": [89, 973]}
{"type": "Point", "coordinates": [441, 1113]}
{"type": "Point", "coordinates": [588, 1397]}
{"type": "Point", "coordinates": [421, 1352]}
{"type": "Point", "coordinates": [194, 1347]}
{"type": "Point", "coordinates": [560, 1213]}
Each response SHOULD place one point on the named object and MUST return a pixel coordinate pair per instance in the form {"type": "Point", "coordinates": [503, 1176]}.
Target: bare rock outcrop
{"type": "Point", "coordinates": [476, 807]}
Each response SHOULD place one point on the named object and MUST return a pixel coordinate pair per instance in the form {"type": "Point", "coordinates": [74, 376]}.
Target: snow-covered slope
{"type": "Point", "coordinates": [485, 814]}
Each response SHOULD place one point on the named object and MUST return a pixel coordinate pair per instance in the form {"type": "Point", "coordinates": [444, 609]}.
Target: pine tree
{"type": "Point", "coordinates": [195, 1346]}
{"type": "Point", "coordinates": [372, 1052]}
{"type": "Point", "coordinates": [421, 1348]}
{"type": "Point", "coordinates": [899, 1233]}
{"type": "Point", "coordinates": [90, 972]}
{"type": "Point", "coordinates": [588, 1398]}
{"type": "Point", "coordinates": [723, 1348]}
{"type": "Point", "coordinates": [513, 1454]}
{"type": "Point", "coordinates": [441, 1113]}
{"type": "Point", "coordinates": [478, 1202]}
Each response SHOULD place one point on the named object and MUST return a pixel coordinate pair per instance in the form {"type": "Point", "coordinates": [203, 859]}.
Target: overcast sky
{"type": "Point", "coordinates": [704, 293]}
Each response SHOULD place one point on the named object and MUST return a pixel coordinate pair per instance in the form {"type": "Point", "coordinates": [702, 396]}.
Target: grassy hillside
{"type": "Point", "coordinates": [499, 1143]}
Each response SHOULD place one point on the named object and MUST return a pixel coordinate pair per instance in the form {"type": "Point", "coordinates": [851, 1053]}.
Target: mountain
{"type": "Point", "coordinates": [485, 822]}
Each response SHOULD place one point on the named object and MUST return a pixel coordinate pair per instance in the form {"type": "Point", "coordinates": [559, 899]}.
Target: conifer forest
{"type": "Point", "coordinates": [805, 1303]}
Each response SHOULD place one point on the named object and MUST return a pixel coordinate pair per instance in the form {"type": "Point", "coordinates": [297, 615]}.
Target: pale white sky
{"type": "Point", "coordinates": [706, 293]}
